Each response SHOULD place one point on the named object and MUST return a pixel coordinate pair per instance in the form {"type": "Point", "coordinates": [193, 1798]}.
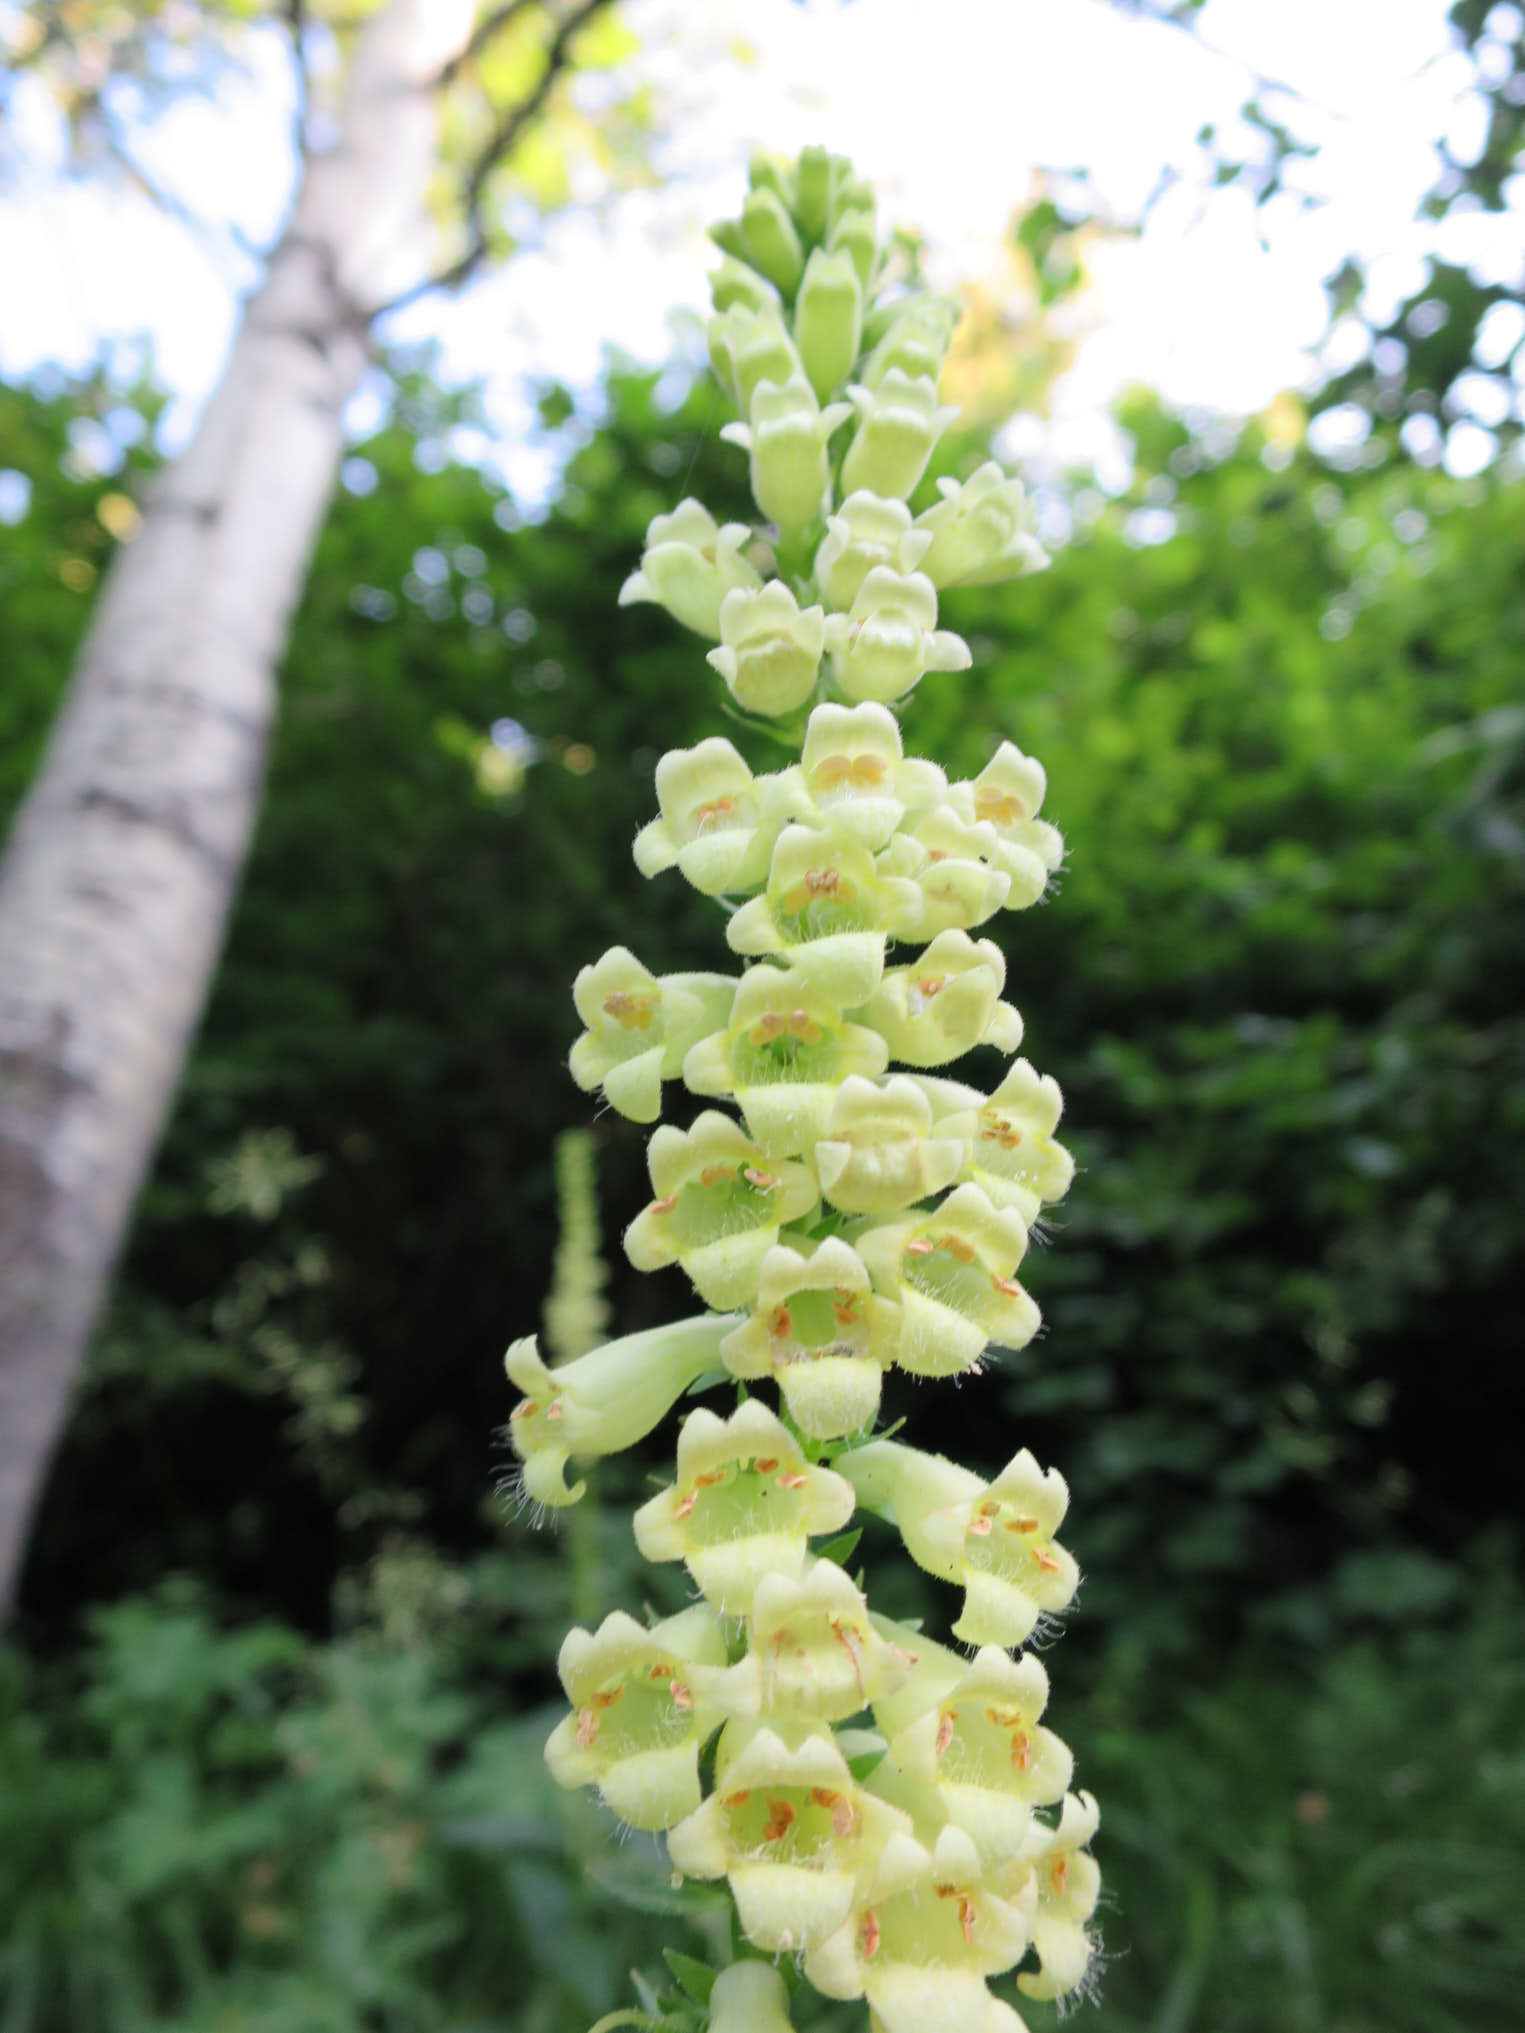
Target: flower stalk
{"type": "Point", "coordinates": [874, 1800]}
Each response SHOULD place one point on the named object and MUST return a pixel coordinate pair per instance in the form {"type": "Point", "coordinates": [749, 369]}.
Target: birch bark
{"type": "Point", "coordinates": [125, 858]}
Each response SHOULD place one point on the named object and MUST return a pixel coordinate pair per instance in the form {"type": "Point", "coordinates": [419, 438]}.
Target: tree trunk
{"type": "Point", "coordinates": [125, 858]}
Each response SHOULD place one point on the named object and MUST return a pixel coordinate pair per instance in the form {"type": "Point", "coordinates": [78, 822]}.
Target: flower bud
{"type": "Point", "coordinates": [816, 176]}
{"type": "Point", "coordinates": [981, 532]}
{"type": "Point", "coordinates": [718, 1207]}
{"type": "Point", "coordinates": [852, 234]}
{"type": "Point", "coordinates": [749, 1997]}
{"type": "Point", "coordinates": [916, 342]}
{"type": "Point", "coordinates": [819, 1330]}
{"type": "Point", "coordinates": [885, 642]}
{"type": "Point", "coordinates": [772, 245]}
{"type": "Point", "coordinates": [639, 1028]}
{"type": "Point", "coordinates": [774, 173]}
{"type": "Point", "coordinates": [744, 1504]}
{"type": "Point", "coordinates": [828, 320]}
{"type": "Point", "coordinates": [734, 282]}
{"type": "Point", "coordinates": [770, 648]}
{"type": "Point", "coordinates": [899, 423]}
{"type": "Point", "coordinates": [786, 438]}
{"type": "Point", "coordinates": [865, 531]}
{"type": "Point", "coordinates": [602, 1402]}
{"type": "Point", "coordinates": [748, 347]}
{"type": "Point", "coordinates": [689, 565]}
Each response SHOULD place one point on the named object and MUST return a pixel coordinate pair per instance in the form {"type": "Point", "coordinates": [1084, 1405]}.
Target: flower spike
{"type": "Point", "coordinates": [878, 1804]}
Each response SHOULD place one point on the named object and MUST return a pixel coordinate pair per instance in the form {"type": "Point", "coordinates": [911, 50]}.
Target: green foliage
{"type": "Point", "coordinates": [241, 1830]}
{"type": "Point", "coordinates": [1281, 987]}
{"type": "Point", "coordinates": [205, 1828]}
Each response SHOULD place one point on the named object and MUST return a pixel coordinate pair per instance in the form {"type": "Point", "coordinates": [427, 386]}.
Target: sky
{"type": "Point", "coordinates": [950, 109]}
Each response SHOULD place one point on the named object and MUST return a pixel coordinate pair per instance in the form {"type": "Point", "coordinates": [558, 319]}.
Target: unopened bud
{"type": "Point", "coordinates": [772, 244]}
{"type": "Point", "coordinates": [787, 438]}
{"type": "Point", "coordinates": [899, 423]}
{"type": "Point", "coordinates": [828, 318]}
{"type": "Point", "coordinates": [770, 648]}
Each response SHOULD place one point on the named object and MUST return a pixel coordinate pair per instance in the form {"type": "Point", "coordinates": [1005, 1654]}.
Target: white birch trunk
{"type": "Point", "coordinates": [125, 858]}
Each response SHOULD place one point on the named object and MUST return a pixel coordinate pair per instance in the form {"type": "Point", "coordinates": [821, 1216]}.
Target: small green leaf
{"type": "Point", "coordinates": [842, 1548]}
{"type": "Point", "coordinates": [697, 1978]}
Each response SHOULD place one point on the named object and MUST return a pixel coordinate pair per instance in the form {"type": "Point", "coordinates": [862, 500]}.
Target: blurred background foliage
{"type": "Point", "coordinates": [1280, 983]}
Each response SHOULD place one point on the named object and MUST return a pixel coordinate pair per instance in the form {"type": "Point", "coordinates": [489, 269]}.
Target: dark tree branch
{"type": "Point", "coordinates": [296, 21]}
{"type": "Point", "coordinates": [487, 29]}
{"type": "Point", "coordinates": [511, 124]}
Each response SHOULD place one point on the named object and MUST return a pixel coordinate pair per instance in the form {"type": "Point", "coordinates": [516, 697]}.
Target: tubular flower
{"type": "Point", "coordinates": [828, 319]}
{"type": "Point", "coordinates": [866, 532]}
{"type": "Point", "coordinates": [873, 1797]}
{"type": "Point", "coordinates": [789, 1827]}
{"type": "Point", "coordinates": [642, 1705]}
{"type": "Point", "coordinates": [689, 565]}
{"type": "Point", "coordinates": [916, 342]}
{"type": "Point", "coordinates": [924, 1933]}
{"type": "Point", "coordinates": [750, 346]}
{"type": "Point", "coordinates": [981, 532]}
{"type": "Point", "coordinates": [878, 1154]}
{"type": "Point", "coordinates": [942, 1005]}
{"type": "Point", "coordinates": [786, 436]}
{"type": "Point", "coordinates": [995, 1539]}
{"type": "Point", "coordinates": [970, 1729]}
{"type": "Point", "coordinates": [1009, 1138]}
{"type": "Point", "coordinates": [952, 1273]}
{"type": "Point", "coordinates": [640, 1027]}
{"type": "Point", "coordinates": [744, 1503]}
{"type": "Point", "coordinates": [1005, 796]}
{"type": "Point", "coordinates": [828, 908]}
{"type": "Point", "coordinates": [734, 283]}
{"type": "Point", "coordinates": [1069, 1885]}
{"type": "Point", "coordinates": [885, 642]}
{"type": "Point", "coordinates": [718, 1209]}
{"type": "Point", "coordinates": [603, 1402]}
{"type": "Point", "coordinates": [950, 862]}
{"type": "Point", "coordinates": [783, 1055]}
{"type": "Point", "coordinates": [898, 424]}
{"type": "Point", "coordinates": [718, 822]}
{"type": "Point", "coordinates": [822, 1333]}
{"type": "Point", "coordinates": [856, 776]}
{"type": "Point", "coordinates": [816, 1649]}
{"type": "Point", "coordinates": [770, 649]}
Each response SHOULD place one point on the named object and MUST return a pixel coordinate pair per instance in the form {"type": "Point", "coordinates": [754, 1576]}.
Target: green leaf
{"type": "Point", "coordinates": [842, 1548]}
{"type": "Point", "coordinates": [697, 1978]}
